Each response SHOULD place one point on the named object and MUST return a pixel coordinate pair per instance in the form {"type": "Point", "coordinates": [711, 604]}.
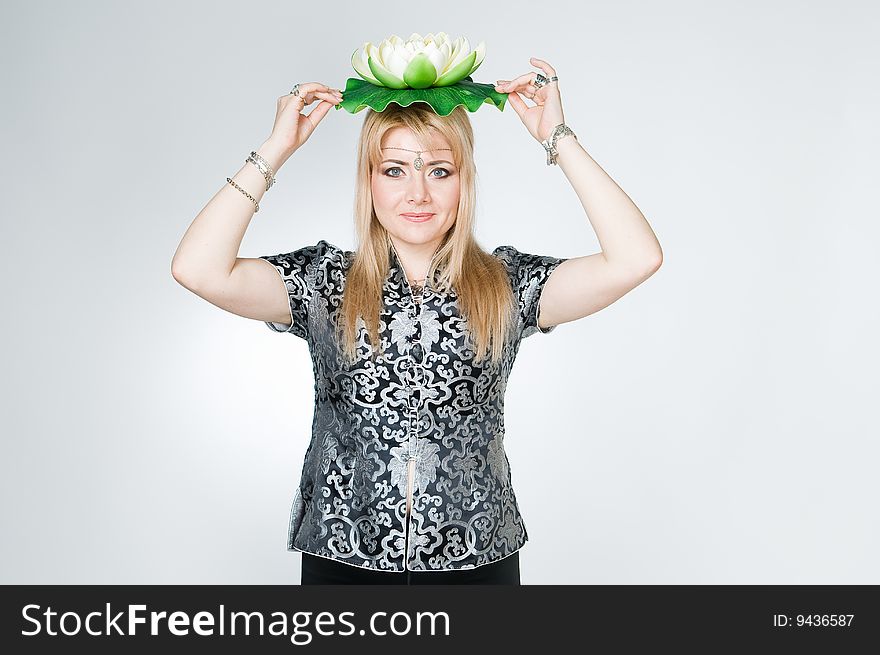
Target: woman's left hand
{"type": "Point", "coordinates": [547, 112]}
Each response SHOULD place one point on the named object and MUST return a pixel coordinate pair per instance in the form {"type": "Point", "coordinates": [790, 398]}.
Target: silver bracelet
{"type": "Point", "coordinates": [560, 131]}
{"type": "Point", "coordinates": [264, 168]}
{"type": "Point", "coordinates": [250, 197]}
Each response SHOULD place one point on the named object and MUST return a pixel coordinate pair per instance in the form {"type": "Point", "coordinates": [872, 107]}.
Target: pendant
{"type": "Point", "coordinates": [418, 162]}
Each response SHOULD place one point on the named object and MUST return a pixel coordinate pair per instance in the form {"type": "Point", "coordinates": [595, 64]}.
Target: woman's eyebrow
{"type": "Point", "coordinates": [430, 163]}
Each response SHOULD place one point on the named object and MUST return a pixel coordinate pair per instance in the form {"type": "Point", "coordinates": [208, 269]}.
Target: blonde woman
{"type": "Point", "coordinates": [412, 335]}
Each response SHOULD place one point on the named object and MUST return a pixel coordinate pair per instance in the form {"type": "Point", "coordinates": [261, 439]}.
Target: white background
{"type": "Point", "coordinates": [715, 425]}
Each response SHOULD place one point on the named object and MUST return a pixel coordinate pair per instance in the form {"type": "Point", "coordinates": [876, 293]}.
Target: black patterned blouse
{"type": "Point", "coordinates": [422, 422]}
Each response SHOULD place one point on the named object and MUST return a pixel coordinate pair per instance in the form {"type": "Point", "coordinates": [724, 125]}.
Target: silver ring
{"type": "Point", "coordinates": [295, 90]}
{"type": "Point", "coordinates": [540, 80]}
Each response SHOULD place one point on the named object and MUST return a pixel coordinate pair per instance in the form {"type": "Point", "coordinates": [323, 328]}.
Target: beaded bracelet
{"type": "Point", "coordinates": [250, 197]}
{"type": "Point", "coordinates": [264, 168]}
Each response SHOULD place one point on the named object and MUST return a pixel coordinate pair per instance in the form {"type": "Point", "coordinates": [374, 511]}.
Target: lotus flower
{"type": "Point", "coordinates": [431, 70]}
{"type": "Point", "coordinates": [417, 63]}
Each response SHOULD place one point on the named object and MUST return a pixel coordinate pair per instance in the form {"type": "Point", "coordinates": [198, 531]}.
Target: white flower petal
{"type": "Point", "coordinates": [481, 54]}
{"type": "Point", "coordinates": [373, 52]}
{"type": "Point", "coordinates": [385, 49]}
{"type": "Point", "coordinates": [396, 62]}
{"type": "Point", "coordinates": [458, 53]}
{"type": "Point", "coordinates": [446, 53]}
{"type": "Point", "coordinates": [394, 54]}
{"type": "Point", "coordinates": [438, 59]}
{"type": "Point", "coordinates": [359, 63]}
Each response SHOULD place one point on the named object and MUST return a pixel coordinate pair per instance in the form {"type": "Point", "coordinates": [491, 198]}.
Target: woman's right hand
{"type": "Point", "coordinates": [292, 128]}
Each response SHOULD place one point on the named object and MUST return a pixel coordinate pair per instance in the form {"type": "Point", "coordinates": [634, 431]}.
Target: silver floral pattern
{"type": "Point", "coordinates": [422, 398]}
{"type": "Point", "coordinates": [497, 458]}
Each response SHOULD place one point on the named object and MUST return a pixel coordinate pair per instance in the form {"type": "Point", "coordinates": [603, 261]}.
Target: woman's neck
{"type": "Point", "coordinates": [415, 260]}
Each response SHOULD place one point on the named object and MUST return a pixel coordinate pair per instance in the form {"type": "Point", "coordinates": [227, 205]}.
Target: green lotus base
{"type": "Point", "coordinates": [359, 93]}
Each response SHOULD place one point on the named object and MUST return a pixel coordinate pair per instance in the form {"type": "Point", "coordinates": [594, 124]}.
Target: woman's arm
{"type": "Point", "coordinates": [207, 261]}
{"type": "Point", "coordinates": [209, 248]}
{"type": "Point", "coordinates": [628, 242]}
{"type": "Point", "coordinates": [630, 254]}
{"type": "Point", "coordinates": [580, 286]}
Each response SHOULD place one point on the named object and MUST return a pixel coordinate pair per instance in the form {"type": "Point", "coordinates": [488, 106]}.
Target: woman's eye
{"type": "Point", "coordinates": [397, 168]}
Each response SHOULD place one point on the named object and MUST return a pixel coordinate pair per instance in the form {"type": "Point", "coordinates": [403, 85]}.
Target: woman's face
{"type": "Point", "coordinates": [398, 188]}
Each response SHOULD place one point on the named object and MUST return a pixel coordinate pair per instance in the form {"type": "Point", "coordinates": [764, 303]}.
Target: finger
{"type": "Point", "coordinates": [331, 98]}
{"type": "Point", "coordinates": [317, 114]}
{"type": "Point", "coordinates": [289, 98]}
{"type": "Point", "coordinates": [522, 84]}
{"type": "Point", "coordinates": [518, 104]}
{"type": "Point", "coordinates": [548, 70]}
{"type": "Point", "coordinates": [527, 90]}
{"type": "Point", "coordinates": [321, 94]}
{"type": "Point", "coordinates": [308, 91]}
{"type": "Point", "coordinates": [313, 87]}
{"type": "Point", "coordinates": [509, 85]}
{"type": "Point", "coordinates": [506, 86]}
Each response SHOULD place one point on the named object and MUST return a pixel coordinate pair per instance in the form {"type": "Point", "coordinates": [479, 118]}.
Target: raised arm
{"type": "Point", "coordinates": [206, 261]}
{"type": "Point", "coordinates": [580, 286]}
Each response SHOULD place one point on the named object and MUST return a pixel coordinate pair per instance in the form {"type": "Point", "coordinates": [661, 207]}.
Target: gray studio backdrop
{"type": "Point", "coordinates": [715, 425]}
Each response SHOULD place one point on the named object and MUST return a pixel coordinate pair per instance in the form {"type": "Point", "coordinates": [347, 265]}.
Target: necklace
{"type": "Point", "coordinates": [418, 291]}
{"type": "Point", "coordinates": [415, 288]}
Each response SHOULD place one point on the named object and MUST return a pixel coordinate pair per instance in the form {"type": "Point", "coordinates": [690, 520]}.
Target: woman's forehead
{"type": "Point", "coordinates": [403, 137]}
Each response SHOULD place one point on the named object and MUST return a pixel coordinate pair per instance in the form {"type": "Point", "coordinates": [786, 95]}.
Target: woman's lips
{"type": "Point", "coordinates": [417, 218]}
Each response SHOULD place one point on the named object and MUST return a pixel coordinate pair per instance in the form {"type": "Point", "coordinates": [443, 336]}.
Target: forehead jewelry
{"type": "Point", "coordinates": [418, 162]}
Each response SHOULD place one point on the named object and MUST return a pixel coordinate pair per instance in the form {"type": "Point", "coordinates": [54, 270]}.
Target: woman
{"type": "Point", "coordinates": [413, 335]}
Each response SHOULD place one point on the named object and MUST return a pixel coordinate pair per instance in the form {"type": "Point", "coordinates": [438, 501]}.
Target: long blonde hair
{"type": "Point", "coordinates": [485, 296]}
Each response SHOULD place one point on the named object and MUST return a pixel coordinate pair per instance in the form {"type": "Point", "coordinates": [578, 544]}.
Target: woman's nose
{"type": "Point", "coordinates": [418, 188]}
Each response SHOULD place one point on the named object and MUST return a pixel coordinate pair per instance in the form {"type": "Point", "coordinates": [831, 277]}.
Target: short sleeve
{"type": "Point", "coordinates": [528, 274]}
{"type": "Point", "coordinates": [298, 270]}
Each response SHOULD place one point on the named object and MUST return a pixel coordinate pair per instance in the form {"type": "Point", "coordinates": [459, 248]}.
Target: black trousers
{"type": "Point", "coordinates": [322, 570]}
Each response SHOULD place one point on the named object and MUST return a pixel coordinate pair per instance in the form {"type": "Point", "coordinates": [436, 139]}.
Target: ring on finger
{"type": "Point", "coordinates": [541, 80]}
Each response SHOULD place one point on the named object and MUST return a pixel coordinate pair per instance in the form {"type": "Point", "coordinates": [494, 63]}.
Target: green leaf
{"type": "Point", "coordinates": [359, 94]}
